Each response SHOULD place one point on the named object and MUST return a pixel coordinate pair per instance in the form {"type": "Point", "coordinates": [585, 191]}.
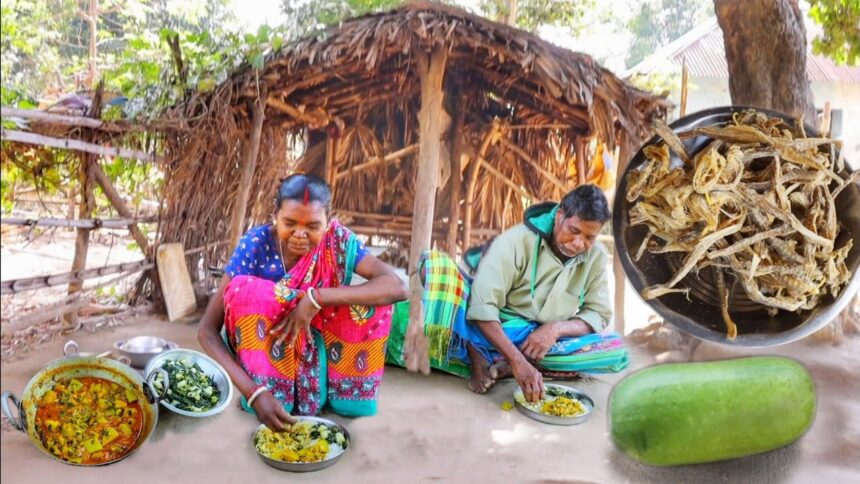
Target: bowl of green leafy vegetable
{"type": "Point", "coordinates": [198, 386]}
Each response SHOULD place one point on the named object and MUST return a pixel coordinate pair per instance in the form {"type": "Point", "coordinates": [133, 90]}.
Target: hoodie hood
{"type": "Point", "coordinates": [540, 218]}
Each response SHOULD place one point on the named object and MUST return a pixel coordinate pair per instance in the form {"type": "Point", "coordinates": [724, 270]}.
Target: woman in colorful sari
{"type": "Point", "coordinates": [538, 304]}
{"type": "Point", "coordinates": [288, 327]}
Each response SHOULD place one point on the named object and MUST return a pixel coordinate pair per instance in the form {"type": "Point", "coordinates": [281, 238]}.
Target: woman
{"type": "Point", "coordinates": [296, 336]}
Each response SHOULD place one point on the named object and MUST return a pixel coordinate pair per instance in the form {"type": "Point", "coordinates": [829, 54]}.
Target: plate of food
{"type": "Point", "coordinates": [561, 405]}
{"type": "Point", "coordinates": [311, 444]}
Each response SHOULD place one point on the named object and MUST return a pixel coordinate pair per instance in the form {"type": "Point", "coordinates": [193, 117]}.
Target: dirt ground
{"type": "Point", "coordinates": [431, 428]}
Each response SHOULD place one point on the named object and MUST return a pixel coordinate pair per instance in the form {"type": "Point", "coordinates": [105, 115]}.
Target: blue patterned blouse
{"type": "Point", "coordinates": [257, 255]}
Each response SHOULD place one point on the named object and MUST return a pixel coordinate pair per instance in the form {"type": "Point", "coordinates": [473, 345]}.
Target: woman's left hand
{"type": "Point", "coordinates": [296, 321]}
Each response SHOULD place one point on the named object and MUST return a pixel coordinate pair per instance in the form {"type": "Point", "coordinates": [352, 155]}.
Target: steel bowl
{"type": "Point", "coordinates": [140, 349]}
{"type": "Point", "coordinates": [304, 466]}
{"type": "Point", "coordinates": [587, 402]}
{"type": "Point", "coordinates": [701, 316]}
{"type": "Point", "coordinates": [208, 365]}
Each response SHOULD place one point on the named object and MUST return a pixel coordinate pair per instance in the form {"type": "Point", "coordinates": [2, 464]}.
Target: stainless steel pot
{"type": "Point", "coordinates": [78, 367]}
{"type": "Point", "coordinates": [701, 315]}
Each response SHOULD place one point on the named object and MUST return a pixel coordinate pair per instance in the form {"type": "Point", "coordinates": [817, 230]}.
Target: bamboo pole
{"type": "Point", "coordinates": [431, 71]}
{"type": "Point", "coordinates": [502, 178]}
{"type": "Point", "coordinates": [67, 120]}
{"type": "Point", "coordinates": [472, 180]}
{"type": "Point", "coordinates": [617, 269]}
{"type": "Point", "coordinates": [73, 144]}
{"type": "Point", "coordinates": [118, 204]}
{"type": "Point", "coordinates": [237, 221]}
{"type": "Point", "coordinates": [92, 224]}
{"type": "Point", "coordinates": [394, 155]}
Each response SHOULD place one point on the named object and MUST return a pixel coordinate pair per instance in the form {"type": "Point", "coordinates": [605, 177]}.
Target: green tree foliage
{"type": "Point", "coordinates": [532, 14]}
{"type": "Point", "coordinates": [658, 22]}
{"type": "Point", "coordinates": [307, 16]}
{"type": "Point", "coordinates": [840, 20]}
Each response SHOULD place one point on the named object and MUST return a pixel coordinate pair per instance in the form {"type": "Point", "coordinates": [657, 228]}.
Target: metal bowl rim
{"type": "Point", "coordinates": [225, 399]}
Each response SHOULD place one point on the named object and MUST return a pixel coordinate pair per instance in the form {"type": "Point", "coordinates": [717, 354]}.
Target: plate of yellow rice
{"type": "Point", "coordinates": [311, 444]}
{"type": "Point", "coordinates": [561, 405]}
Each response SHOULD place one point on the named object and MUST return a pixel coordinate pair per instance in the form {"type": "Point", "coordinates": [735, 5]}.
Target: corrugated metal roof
{"type": "Point", "coordinates": [705, 53]}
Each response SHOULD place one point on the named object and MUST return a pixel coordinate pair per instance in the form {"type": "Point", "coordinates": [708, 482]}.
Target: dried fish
{"type": "Point", "coordinates": [757, 203]}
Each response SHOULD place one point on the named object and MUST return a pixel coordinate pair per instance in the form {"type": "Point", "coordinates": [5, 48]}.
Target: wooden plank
{"type": "Point", "coordinates": [175, 281]}
{"type": "Point", "coordinates": [73, 144]}
{"type": "Point", "coordinates": [92, 224]}
{"type": "Point", "coordinates": [240, 205]}
{"type": "Point", "coordinates": [431, 71]}
{"type": "Point", "coordinates": [15, 286]}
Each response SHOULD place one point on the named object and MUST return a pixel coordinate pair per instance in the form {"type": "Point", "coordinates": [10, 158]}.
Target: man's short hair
{"type": "Point", "coordinates": [586, 202]}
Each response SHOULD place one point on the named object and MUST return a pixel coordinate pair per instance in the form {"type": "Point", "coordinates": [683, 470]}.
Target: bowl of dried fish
{"type": "Point", "coordinates": [740, 226]}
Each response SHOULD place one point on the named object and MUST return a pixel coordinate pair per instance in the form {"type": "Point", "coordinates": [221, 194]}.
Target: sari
{"type": "Point", "coordinates": [341, 364]}
{"type": "Point", "coordinates": [445, 299]}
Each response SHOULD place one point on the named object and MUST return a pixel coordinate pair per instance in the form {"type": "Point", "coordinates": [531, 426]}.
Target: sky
{"type": "Point", "coordinates": [609, 47]}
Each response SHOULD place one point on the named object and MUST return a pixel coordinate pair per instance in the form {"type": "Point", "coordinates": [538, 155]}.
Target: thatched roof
{"type": "Point", "coordinates": [516, 101]}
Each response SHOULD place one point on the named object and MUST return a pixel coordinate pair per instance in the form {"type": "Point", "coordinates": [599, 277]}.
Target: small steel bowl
{"type": "Point", "coordinates": [209, 366]}
{"type": "Point", "coordinates": [304, 466]}
{"type": "Point", "coordinates": [587, 402]}
{"type": "Point", "coordinates": [140, 349]}
{"type": "Point", "coordinates": [700, 316]}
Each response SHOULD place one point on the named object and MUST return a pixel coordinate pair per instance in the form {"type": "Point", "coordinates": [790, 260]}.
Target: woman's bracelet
{"type": "Point", "coordinates": [313, 299]}
{"type": "Point", "coordinates": [260, 389]}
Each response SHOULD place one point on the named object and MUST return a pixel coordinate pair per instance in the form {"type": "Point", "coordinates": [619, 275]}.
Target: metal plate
{"type": "Point", "coordinates": [587, 402]}
{"type": "Point", "coordinates": [305, 466]}
{"type": "Point", "coordinates": [701, 317]}
{"type": "Point", "coordinates": [209, 366]}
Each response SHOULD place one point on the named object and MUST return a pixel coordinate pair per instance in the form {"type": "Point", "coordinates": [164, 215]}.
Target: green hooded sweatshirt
{"type": "Point", "coordinates": [521, 277]}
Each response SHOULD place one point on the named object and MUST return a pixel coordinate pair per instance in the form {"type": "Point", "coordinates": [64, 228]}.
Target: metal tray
{"type": "Point", "coordinates": [587, 402]}
{"type": "Point", "coordinates": [304, 466]}
{"type": "Point", "coordinates": [701, 316]}
{"type": "Point", "coordinates": [209, 366]}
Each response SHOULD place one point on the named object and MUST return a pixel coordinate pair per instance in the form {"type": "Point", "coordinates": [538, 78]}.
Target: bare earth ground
{"type": "Point", "coordinates": [432, 429]}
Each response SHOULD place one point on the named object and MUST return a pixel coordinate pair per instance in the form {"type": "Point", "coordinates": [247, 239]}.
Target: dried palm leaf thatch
{"type": "Point", "coordinates": [756, 203]}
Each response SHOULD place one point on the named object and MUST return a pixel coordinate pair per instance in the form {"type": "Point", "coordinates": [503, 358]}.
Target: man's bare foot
{"type": "Point", "coordinates": [501, 370]}
{"type": "Point", "coordinates": [480, 382]}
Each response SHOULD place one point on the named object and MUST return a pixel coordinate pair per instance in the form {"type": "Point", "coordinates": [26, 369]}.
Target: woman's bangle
{"type": "Point", "coordinates": [313, 299]}
{"type": "Point", "coordinates": [260, 389]}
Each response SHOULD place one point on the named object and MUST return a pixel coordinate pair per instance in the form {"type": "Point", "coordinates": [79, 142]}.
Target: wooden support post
{"type": "Point", "coordinates": [455, 180]}
{"type": "Point", "coordinates": [249, 164]}
{"type": "Point", "coordinates": [118, 204]}
{"type": "Point", "coordinates": [617, 269]}
{"type": "Point", "coordinates": [685, 75]}
{"type": "Point", "coordinates": [330, 159]}
{"type": "Point", "coordinates": [581, 167]}
{"type": "Point", "coordinates": [431, 70]}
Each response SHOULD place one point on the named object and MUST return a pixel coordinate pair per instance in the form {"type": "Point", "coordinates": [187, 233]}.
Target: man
{"type": "Point", "coordinates": [539, 290]}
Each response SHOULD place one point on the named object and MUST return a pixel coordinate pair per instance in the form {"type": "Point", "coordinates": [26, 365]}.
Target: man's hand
{"type": "Point", "coordinates": [530, 380]}
{"type": "Point", "coordinates": [270, 412]}
{"type": "Point", "coordinates": [296, 321]}
{"type": "Point", "coordinates": [540, 341]}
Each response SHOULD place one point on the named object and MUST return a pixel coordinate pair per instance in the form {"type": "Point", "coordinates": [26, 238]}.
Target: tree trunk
{"type": "Point", "coordinates": [510, 17]}
{"type": "Point", "coordinates": [249, 165]}
{"type": "Point", "coordinates": [766, 55]}
{"type": "Point", "coordinates": [93, 18]}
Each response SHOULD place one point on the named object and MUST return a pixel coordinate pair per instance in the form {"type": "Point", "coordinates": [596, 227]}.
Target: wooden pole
{"type": "Point", "coordinates": [73, 144]}
{"type": "Point", "coordinates": [118, 204]}
{"type": "Point", "coordinates": [685, 75]}
{"type": "Point", "coordinates": [93, 223]}
{"type": "Point", "coordinates": [67, 120]}
{"type": "Point", "coordinates": [456, 179]}
{"type": "Point", "coordinates": [330, 158]}
{"type": "Point", "coordinates": [826, 118]}
{"type": "Point", "coordinates": [431, 70]}
{"type": "Point", "coordinates": [579, 147]}
{"type": "Point", "coordinates": [472, 181]}
{"type": "Point", "coordinates": [249, 164]}
{"type": "Point", "coordinates": [617, 269]}
{"type": "Point", "coordinates": [395, 155]}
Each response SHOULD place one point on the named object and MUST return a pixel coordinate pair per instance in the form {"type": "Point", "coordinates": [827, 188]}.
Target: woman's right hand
{"type": "Point", "coordinates": [530, 380]}
{"type": "Point", "coordinates": [270, 412]}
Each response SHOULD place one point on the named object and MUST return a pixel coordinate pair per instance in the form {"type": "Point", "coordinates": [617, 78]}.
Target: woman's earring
{"type": "Point", "coordinates": [275, 222]}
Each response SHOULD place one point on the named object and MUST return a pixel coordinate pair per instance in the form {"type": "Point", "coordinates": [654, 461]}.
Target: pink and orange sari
{"type": "Point", "coordinates": [341, 365]}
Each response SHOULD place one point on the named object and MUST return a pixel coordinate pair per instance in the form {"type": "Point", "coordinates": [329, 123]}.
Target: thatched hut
{"type": "Point", "coordinates": [429, 122]}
